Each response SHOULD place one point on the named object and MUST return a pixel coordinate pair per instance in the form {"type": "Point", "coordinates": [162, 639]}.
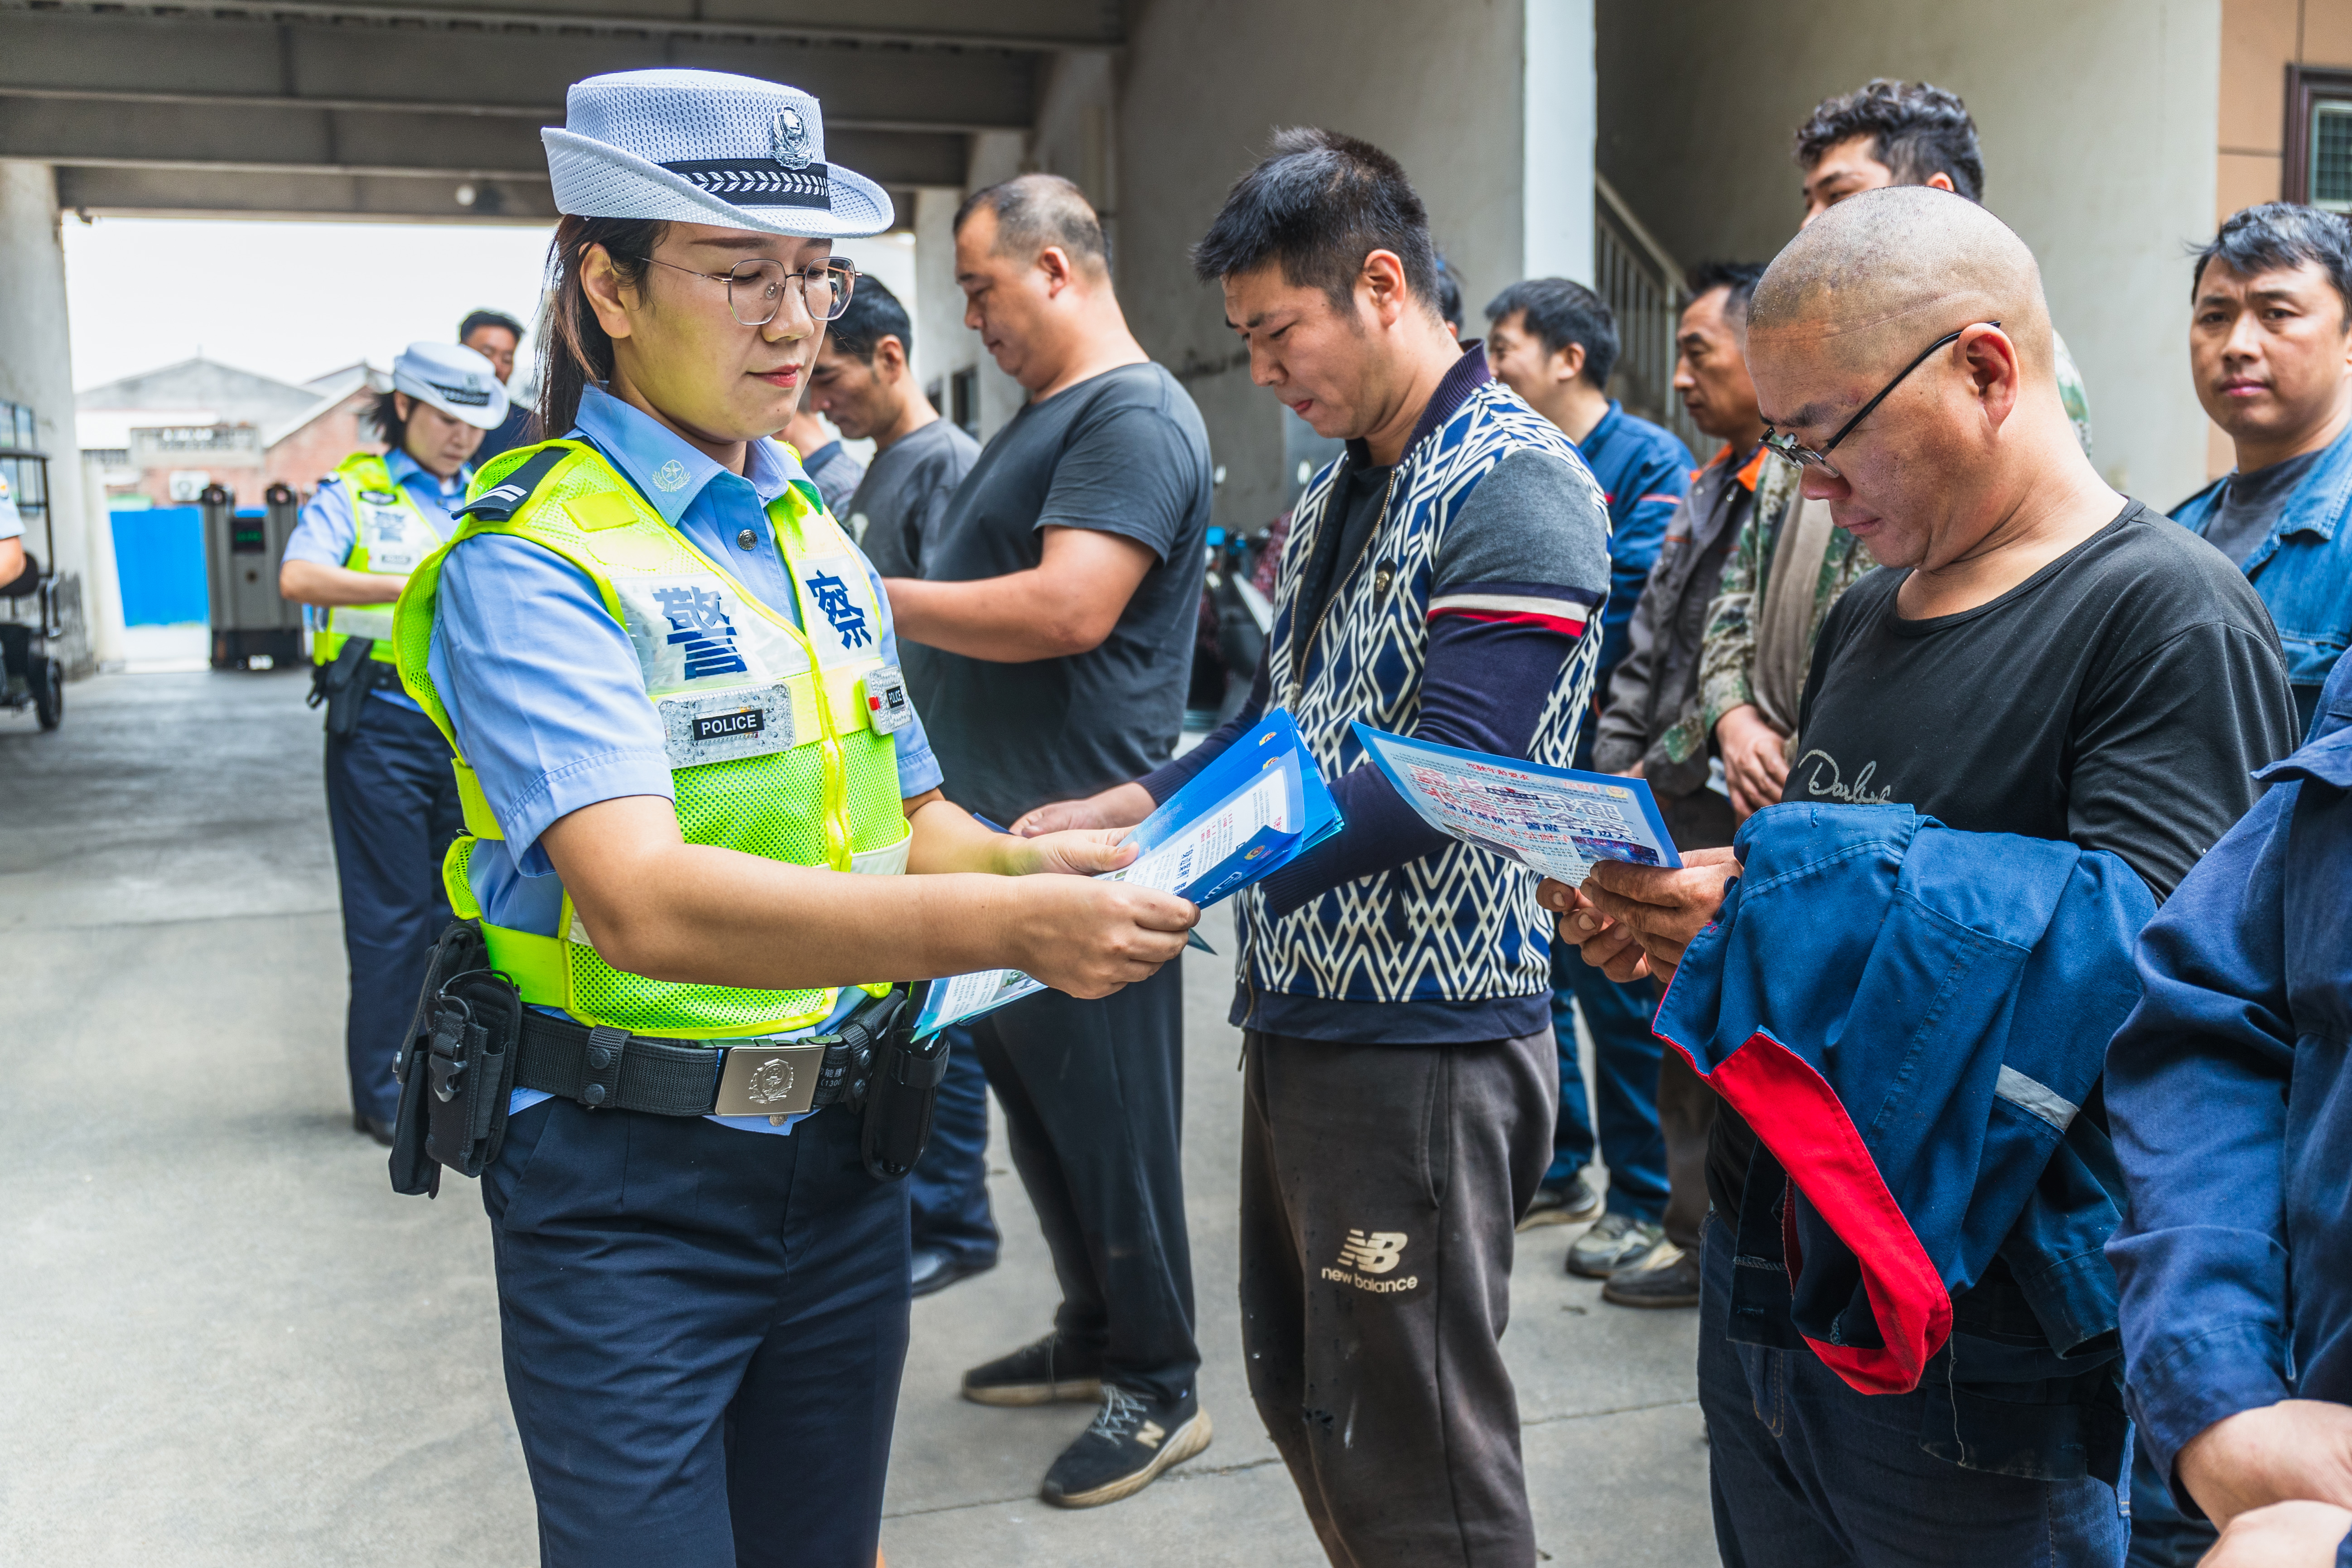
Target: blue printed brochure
{"type": "Point", "coordinates": [1556, 820]}
{"type": "Point", "coordinates": [1254, 810]}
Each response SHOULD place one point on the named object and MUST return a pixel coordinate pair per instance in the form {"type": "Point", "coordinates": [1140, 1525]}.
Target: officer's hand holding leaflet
{"type": "Point", "coordinates": [657, 906]}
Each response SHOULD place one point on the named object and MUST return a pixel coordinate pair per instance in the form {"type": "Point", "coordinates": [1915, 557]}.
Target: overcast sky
{"type": "Point", "coordinates": [296, 299]}
{"type": "Point", "coordinates": [289, 300]}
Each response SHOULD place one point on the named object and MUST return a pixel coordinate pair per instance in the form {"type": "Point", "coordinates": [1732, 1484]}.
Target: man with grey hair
{"type": "Point", "coordinates": [1062, 601]}
{"type": "Point", "coordinates": [2038, 658]}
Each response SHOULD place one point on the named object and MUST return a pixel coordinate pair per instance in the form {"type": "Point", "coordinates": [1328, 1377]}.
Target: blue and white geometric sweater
{"type": "Point", "coordinates": [1462, 924]}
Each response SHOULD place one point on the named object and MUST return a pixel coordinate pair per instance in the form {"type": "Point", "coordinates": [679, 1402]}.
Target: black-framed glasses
{"type": "Point", "coordinates": [756, 287]}
{"type": "Point", "coordinates": [1786, 447]}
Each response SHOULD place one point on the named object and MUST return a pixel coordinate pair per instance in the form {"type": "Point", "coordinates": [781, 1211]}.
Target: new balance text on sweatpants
{"type": "Point", "coordinates": [1379, 1188]}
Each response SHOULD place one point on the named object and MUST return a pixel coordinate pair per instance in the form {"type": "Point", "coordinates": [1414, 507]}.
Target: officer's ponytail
{"type": "Point", "coordinates": [572, 348]}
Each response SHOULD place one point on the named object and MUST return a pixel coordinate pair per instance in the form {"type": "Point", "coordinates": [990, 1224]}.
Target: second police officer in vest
{"type": "Point", "coordinates": [704, 1319]}
{"type": "Point", "coordinates": [391, 800]}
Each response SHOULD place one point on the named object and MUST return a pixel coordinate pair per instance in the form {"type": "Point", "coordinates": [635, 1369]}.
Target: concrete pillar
{"type": "Point", "coordinates": [1559, 96]}
{"type": "Point", "coordinates": [36, 370]}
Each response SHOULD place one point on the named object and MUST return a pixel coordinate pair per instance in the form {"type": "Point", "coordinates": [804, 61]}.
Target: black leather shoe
{"type": "Point", "coordinates": [935, 1270]}
{"type": "Point", "coordinates": [375, 1127]}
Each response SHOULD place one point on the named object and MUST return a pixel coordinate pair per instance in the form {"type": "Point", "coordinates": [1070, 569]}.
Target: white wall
{"type": "Point", "coordinates": [36, 359]}
{"type": "Point", "coordinates": [2098, 124]}
{"type": "Point", "coordinates": [1442, 87]}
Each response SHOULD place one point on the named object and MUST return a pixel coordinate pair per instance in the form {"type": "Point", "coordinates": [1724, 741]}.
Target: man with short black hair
{"type": "Point", "coordinates": [2270, 341]}
{"type": "Point", "coordinates": [865, 383]}
{"type": "Point", "coordinates": [1393, 985]}
{"type": "Point", "coordinates": [494, 336]}
{"type": "Point", "coordinates": [1554, 343]}
{"type": "Point", "coordinates": [1062, 601]}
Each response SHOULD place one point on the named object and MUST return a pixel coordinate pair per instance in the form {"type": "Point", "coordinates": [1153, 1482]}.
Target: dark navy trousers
{"type": "Point", "coordinates": [392, 802]}
{"type": "Point", "coordinates": [1625, 1072]}
{"type": "Point", "coordinates": [948, 1190]}
{"type": "Point", "coordinates": [1805, 1472]}
{"type": "Point", "coordinates": [704, 1330]}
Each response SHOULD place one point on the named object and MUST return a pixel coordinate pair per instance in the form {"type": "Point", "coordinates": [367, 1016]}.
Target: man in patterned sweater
{"type": "Point", "coordinates": [1394, 986]}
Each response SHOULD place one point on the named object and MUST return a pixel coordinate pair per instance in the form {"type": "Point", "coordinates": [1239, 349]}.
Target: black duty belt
{"type": "Point", "coordinates": [613, 1070]}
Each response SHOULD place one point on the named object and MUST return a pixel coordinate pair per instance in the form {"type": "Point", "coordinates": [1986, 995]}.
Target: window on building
{"type": "Point", "coordinates": [2320, 137]}
{"type": "Point", "coordinates": [23, 463]}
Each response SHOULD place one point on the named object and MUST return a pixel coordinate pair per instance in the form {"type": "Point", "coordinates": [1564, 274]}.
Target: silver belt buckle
{"type": "Point", "coordinates": [770, 1081]}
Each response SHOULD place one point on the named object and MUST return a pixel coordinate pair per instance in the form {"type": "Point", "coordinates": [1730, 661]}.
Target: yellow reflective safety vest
{"type": "Point", "coordinates": [780, 740]}
{"type": "Point", "coordinates": [389, 534]}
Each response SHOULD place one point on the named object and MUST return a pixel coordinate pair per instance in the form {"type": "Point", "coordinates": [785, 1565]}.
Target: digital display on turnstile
{"type": "Point", "coordinates": [245, 537]}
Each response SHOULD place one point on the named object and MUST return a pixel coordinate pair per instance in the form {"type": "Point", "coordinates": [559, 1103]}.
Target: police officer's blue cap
{"type": "Point", "coordinates": [693, 146]}
{"type": "Point", "coordinates": [455, 380]}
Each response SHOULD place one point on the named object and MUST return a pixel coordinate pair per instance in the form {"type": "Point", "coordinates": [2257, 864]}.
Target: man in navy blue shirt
{"type": "Point", "coordinates": [2230, 1077]}
{"type": "Point", "coordinates": [1554, 343]}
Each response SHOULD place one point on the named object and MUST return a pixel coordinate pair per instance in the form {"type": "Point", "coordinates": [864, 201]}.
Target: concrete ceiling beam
{"type": "Point", "coordinates": [127, 58]}
{"type": "Point", "coordinates": [1028, 24]}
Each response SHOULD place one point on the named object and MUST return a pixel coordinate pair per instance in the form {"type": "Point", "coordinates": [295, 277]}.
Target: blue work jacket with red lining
{"type": "Point", "coordinates": [1910, 1018]}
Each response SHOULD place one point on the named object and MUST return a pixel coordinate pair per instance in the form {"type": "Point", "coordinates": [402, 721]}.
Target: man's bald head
{"type": "Point", "coordinates": [1882, 274]}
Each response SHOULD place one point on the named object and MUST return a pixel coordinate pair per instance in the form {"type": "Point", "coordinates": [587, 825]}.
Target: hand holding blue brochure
{"type": "Point", "coordinates": [1556, 820]}
{"type": "Point", "coordinates": [1254, 810]}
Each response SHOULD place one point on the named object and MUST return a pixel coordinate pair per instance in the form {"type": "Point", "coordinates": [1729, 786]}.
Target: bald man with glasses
{"type": "Point", "coordinates": [2037, 656]}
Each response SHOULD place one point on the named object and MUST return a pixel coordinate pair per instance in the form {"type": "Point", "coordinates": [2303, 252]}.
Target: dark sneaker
{"type": "Point", "coordinates": [1665, 1275]}
{"type": "Point", "coordinates": [1614, 1242]}
{"type": "Point", "coordinates": [1568, 1203]}
{"type": "Point", "coordinates": [1038, 1374]}
{"type": "Point", "coordinates": [935, 1269]}
{"type": "Point", "coordinates": [1131, 1441]}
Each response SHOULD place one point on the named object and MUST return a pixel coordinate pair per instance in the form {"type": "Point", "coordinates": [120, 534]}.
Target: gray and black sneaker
{"type": "Point", "coordinates": [1617, 1240]}
{"type": "Point", "coordinates": [1132, 1440]}
{"type": "Point", "coordinates": [1665, 1275]}
{"type": "Point", "coordinates": [1038, 1374]}
{"type": "Point", "coordinates": [1570, 1202]}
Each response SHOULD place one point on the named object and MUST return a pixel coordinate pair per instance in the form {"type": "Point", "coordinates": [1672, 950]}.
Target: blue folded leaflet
{"type": "Point", "coordinates": [1190, 849]}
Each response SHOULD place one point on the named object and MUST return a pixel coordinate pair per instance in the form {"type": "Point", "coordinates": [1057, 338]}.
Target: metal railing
{"type": "Point", "coordinates": [1643, 287]}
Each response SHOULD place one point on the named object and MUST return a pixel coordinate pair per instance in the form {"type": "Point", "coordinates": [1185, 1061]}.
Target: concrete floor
{"type": "Point", "coordinates": [230, 1344]}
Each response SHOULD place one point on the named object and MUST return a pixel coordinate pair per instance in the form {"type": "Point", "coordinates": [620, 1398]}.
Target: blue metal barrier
{"type": "Point", "coordinates": [159, 557]}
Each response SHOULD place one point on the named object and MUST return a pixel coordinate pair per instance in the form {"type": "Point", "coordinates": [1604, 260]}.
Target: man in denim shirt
{"type": "Point", "coordinates": [2269, 342]}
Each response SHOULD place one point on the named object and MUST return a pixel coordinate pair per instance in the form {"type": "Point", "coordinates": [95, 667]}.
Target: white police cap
{"type": "Point", "coordinates": [695, 146]}
{"type": "Point", "coordinates": [455, 380]}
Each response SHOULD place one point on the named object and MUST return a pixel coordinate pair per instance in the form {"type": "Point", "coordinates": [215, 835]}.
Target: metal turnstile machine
{"type": "Point", "coordinates": [253, 628]}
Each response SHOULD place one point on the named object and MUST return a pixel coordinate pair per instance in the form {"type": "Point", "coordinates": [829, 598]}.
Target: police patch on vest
{"type": "Point", "coordinates": [887, 708]}
{"type": "Point", "coordinates": [724, 726]}
{"type": "Point", "coordinates": [697, 630]}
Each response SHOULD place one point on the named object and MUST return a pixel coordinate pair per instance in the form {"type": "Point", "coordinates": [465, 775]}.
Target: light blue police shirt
{"type": "Point", "coordinates": [544, 687]}
{"type": "Point", "coordinates": [324, 532]}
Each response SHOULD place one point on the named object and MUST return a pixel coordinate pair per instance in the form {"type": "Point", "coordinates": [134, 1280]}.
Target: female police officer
{"type": "Point", "coordinates": [391, 800]}
{"type": "Point", "coordinates": [670, 680]}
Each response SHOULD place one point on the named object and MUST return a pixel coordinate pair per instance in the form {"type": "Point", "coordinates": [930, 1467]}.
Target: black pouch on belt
{"type": "Point", "coordinates": [900, 1094]}
{"type": "Point", "coordinates": [457, 1066]}
{"type": "Point", "coordinates": [343, 684]}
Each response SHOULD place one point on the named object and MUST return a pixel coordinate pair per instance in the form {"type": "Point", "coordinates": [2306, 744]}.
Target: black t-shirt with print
{"type": "Point", "coordinates": [2119, 698]}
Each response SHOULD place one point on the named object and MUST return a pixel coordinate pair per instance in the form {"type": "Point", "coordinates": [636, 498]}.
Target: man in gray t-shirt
{"type": "Point", "coordinates": [1062, 598]}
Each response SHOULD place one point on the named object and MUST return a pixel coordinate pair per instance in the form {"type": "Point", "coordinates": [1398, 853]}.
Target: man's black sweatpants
{"type": "Point", "coordinates": [1379, 1188]}
{"type": "Point", "coordinates": [1094, 1101]}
